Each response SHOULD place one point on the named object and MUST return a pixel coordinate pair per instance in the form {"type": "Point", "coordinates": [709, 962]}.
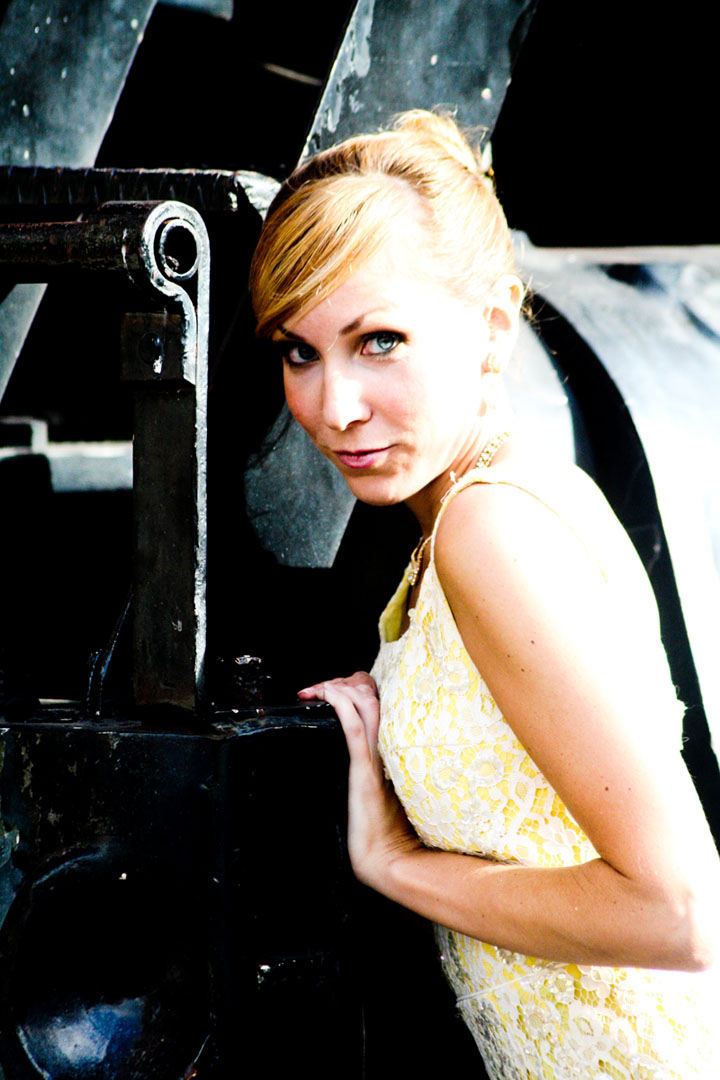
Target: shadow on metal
{"type": "Point", "coordinates": [146, 933]}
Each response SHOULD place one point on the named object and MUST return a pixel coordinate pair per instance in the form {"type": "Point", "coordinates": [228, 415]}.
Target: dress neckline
{"type": "Point", "coordinates": [393, 616]}
{"type": "Point", "coordinates": [484, 461]}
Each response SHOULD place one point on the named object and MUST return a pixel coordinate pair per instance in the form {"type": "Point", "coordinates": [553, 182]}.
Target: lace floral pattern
{"type": "Point", "coordinates": [468, 785]}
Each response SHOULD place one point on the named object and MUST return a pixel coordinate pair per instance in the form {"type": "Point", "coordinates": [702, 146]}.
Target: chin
{"type": "Point", "coordinates": [374, 492]}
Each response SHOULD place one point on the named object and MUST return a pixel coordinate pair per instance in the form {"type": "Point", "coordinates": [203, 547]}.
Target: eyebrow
{"type": "Point", "coordinates": [356, 323]}
{"type": "Point", "coordinates": [349, 329]}
{"type": "Point", "coordinates": [352, 326]}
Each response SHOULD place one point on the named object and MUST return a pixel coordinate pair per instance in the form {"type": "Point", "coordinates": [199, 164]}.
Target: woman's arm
{"type": "Point", "coordinates": [568, 675]}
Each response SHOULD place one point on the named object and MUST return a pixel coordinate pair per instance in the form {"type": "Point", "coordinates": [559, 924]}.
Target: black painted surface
{"type": "Point", "coordinates": [179, 897]}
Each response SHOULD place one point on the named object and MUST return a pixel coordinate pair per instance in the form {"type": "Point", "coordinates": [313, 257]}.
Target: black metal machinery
{"type": "Point", "coordinates": [142, 917]}
{"type": "Point", "coordinates": [175, 899]}
{"type": "Point", "coordinates": [165, 247]}
{"type": "Point", "coordinates": [174, 880]}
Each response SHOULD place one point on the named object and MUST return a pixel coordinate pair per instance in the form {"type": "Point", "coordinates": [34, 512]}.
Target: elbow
{"type": "Point", "coordinates": [703, 950]}
{"type": "Point", "coordinates": [695, 943]}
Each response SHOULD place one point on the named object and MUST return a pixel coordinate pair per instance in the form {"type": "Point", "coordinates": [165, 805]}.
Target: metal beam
{"type": "Point", "coordinates": [63, 66]}
{"type": "Point", "coordinates": [163, 247]}
{"type": "Point", "coordinates": [407, 54]}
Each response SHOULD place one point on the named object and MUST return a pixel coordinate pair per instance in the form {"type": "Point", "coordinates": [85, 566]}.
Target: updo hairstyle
{"type": "Point", "coordinates": [341, 207]}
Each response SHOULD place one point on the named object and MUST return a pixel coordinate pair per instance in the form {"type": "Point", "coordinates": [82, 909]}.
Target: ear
{"type": "Point", "coordinates": [502, 311]}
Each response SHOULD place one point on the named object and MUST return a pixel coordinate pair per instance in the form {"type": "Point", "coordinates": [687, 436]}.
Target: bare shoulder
{"type": "Point", "coordinates": [523, 486]}
{"type": "Point", "coordinates": [544, 523]}
{"type": "Point", "coordinates": [543, 518]}
{"type": "Point", "coordinates": [541, 571]}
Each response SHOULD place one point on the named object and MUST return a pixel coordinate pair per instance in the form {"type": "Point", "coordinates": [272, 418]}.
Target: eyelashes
{"type": "Point", "coordinates": [293, 353]}
{"type": "Point", "coordinates": [297, 354]}
{"type": "Point", "coordinates": [385, 340]}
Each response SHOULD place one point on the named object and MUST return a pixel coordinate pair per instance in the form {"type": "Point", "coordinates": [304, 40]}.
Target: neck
{"type": "Point", "coordinates": [426, 503]}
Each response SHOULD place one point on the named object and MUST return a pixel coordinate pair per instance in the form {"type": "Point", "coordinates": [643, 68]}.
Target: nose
{"type": "Point", "coordinates": [344, 398]}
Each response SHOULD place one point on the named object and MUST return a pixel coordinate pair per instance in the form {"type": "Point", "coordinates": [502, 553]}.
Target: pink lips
{"type": "Point", "coordinates": [360, 459]}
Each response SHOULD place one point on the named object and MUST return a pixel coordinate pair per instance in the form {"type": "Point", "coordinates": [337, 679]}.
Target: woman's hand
{"type": "Point", "coordinates": [378, 830]}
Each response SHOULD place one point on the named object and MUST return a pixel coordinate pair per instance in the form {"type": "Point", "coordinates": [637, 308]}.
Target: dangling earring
{"type": "Point", "coordinates": [492, 364]}
{"type": "Point", "coordinates": [493, 388]}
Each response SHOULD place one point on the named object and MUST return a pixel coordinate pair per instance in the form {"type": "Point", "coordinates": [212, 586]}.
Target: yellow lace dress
{"type": "Point", "coordinates": [468, 786]}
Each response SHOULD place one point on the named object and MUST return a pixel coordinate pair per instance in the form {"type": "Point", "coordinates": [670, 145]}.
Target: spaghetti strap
{"type": "Point", "coordinates": [485, 474]}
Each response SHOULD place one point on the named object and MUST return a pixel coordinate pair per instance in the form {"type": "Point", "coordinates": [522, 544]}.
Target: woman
{"type": "Point", "coordinates": [537, 808]}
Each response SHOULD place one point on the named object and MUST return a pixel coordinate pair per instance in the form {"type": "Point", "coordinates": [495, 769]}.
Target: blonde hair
{"type": "Point", "coordinates": [340, 208]}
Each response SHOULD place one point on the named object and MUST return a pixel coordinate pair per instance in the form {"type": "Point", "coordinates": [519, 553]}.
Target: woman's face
{"type": "Point", "coordinates": [386, 377]}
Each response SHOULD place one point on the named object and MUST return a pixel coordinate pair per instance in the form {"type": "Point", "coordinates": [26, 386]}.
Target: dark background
{"type": "Point", "coordinates": [605, 136]}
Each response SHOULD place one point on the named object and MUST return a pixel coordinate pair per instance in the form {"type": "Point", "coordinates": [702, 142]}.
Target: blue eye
{"type": "Point", "coordinates": [384, 341]}
{"type": "Point", "coordinates": [298, 354]}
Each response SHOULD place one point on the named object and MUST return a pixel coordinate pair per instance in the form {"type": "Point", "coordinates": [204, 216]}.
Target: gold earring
{"type": "Point", "coordinates": [492, 364]}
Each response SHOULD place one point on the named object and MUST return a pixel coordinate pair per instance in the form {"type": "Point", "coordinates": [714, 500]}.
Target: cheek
{"type": "Point", "coordinates": [461, 389]}
{"type": "Point", "coordinates": [299, 394]}
{"type": "Point", "coordinates": [396, 401]}
{"type": "Point", "coordinates": [452, 397]}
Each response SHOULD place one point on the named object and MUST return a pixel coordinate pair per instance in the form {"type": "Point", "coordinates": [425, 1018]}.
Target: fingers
{"type": "Point", "coordinates": [359, 681]}
{"type": "Point", "coordinates": [355, 701]}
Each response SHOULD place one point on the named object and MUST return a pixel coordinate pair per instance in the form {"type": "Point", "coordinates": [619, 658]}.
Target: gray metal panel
{"type": "Point", "coordinates": [63, 64]}
{"type": "Point", "coordinates": [63, 67]}
{"type": "Point", "coordinates": [538, 398]}
{"type": "Point", "coordinates": [297, 502]}
{"type": "Point", "coordinates": [406, 54]}
{"type": "Point", "coordinates": [221, 8]}
{"type": "Point", "coordinates": [17, 312]}
{"type": "Point", "coordinates": [660, 346]}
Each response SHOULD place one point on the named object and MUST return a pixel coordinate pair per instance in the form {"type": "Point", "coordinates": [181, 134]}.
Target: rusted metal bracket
{"type": "Point", "coordinates": [164, 249]}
